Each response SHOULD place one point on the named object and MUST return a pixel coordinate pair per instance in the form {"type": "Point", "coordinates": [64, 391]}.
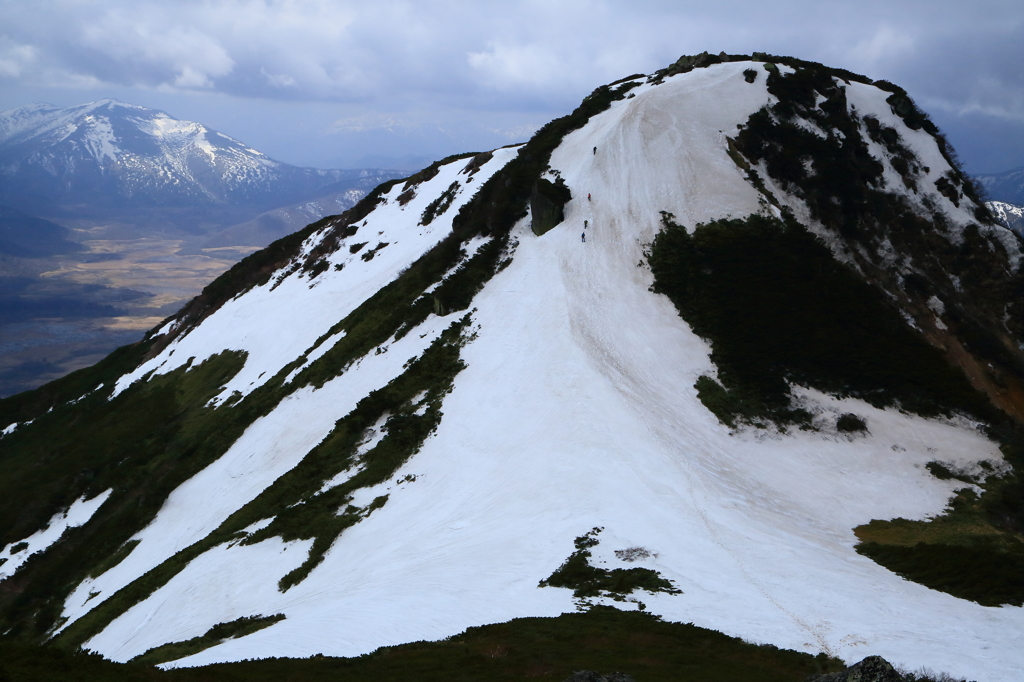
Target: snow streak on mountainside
{"type": "Point", "coordinates": [115, 152]}
{"type": "Point", "coordinates": [76, 515]}
{"type": "Point", "coordinates": [528, 391]}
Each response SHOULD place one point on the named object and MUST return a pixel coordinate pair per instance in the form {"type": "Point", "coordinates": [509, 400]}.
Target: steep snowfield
{"type": "Point", "coordinates": [576, 410]}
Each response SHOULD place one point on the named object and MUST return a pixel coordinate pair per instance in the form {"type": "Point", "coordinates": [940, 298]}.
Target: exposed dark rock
{"type": "Point", "coordinates": [547, 202]}
{"type": "Point", "coordinates": [871, 669]}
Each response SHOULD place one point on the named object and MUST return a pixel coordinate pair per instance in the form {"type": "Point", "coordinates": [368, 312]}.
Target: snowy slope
{"type": "Point", "coordinates": [575, 410]}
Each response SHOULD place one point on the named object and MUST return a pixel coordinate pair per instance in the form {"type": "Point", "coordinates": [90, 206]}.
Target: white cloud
{"type": "Point", "coordinates": [504, 66]}
{"type": "Point", "coordinates": [886, 42]}
{"type": "Point", "coordinates": [14, 58]}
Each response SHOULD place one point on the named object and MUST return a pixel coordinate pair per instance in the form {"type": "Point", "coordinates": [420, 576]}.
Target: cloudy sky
{"type": "Point", "coordinates": [381, 82]}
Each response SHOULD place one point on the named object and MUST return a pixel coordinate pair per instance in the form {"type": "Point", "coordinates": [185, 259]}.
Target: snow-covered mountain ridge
{"type": "Point", "coordinates": [126, 154]}
{"type": "Point", "coordinates": [1010, 215]}
{"type": "Point", "coordinates": [401, 421]}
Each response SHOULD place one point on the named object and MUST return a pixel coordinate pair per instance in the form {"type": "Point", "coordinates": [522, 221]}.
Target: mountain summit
{"type": "Point", "coordinates": [123, 154]}
{"type": "Point", "coordinates": [735, 343]}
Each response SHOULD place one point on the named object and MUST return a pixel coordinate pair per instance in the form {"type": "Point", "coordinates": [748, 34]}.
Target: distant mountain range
{"type": "Point", "coordinates": [120, 155]}
{"type": "Point", "coordinates": [1007, 186]}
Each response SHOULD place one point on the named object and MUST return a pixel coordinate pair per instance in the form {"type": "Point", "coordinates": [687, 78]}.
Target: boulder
{"type": "Point", "coordinates": [871, 669]}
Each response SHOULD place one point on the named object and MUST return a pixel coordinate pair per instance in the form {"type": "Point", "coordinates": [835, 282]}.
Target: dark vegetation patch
{"type": "Point", "coordinates": [736, 405]}
{"type": "Point", "coordinates": [502, 201]}
{"type": "Point", "coordinates": [17, 547]}
{"type": "Point", "coordinates": [984, 572]}
{"type": "Point", "coordinates": [688, 63]}
{"type": "Point", "coordinates": [214, 636]}
{"type": "Point", "coordinates": [114, 559]}
{"type": "Point", "coordinates": [162, 433]}
{"type": "Point", "coordinates": [439, 205]}
{"type": "Point", "coordinates": [368, 256]}
{"type": "Point", "coordinates": [431, 171]}
{"type": "Point", "coordinates": [406, 196]}
{"type": "Point", "coordinates": [851, 423]}
{"type": "Point", "coordinates": [901, 158]}
{"type": "Point", "coordinates": [545, 649]}
{"type": "Point", "coordinates": [914, 258]}
{"type": "Point", "coordinates": [20, 662]}
{"type": "Point", "coordinates": [973, 551]}
{"type": "Point", "coordinates": [944, 473]}
{"type": "Point", "coordinates": [585, 580]}
{"type": "Point", "coordinates": [779, 309]}
{"type": "Point", "coordinates": [476, 163]}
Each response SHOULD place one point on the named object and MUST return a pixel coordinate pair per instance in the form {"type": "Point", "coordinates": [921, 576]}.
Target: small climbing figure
{"type": "Point", "coordinates": [595, 150]}
{"type": "Point", "coordinates": [583, 237]}
{"type": "Point", "coordinates": [585, 223]}
{"type": "Point", "coordinates": [588, 196]}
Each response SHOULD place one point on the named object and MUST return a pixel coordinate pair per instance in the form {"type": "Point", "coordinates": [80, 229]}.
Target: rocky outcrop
{"type": "Point", "coordinates": [871, 669]}
{"type": "Point", "coordinates": [547, 204]}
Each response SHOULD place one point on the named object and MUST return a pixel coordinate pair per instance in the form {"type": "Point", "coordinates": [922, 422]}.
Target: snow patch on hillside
{"type": "Point", "coordinates": [100, 140]}
{"type": "Point", "coordinates": [76, 515]}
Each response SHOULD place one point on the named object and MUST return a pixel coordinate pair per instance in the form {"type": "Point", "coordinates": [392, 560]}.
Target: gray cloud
{"type": "Point", "coordinates": [520, 61]}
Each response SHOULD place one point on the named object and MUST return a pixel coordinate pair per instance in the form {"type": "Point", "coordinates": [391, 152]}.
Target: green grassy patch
{"type": "Point", "coordinates": [586, 580]}
{"type": "Point", "coordinates": [963, 552]}
{"type": "Point", "coordinates": [983, 572]}
{"type": "Point", "coordinates": [214, 636]}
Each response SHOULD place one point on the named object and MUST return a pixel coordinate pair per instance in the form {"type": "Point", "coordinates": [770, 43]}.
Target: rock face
{"type": "Point", "coordinates": [871, 669]}
{"type": "Point", "coordinates": [547, 204]}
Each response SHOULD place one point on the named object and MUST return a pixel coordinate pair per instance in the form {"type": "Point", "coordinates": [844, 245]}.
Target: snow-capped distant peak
{"type": "Point", "coordinates": [136, 153]}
